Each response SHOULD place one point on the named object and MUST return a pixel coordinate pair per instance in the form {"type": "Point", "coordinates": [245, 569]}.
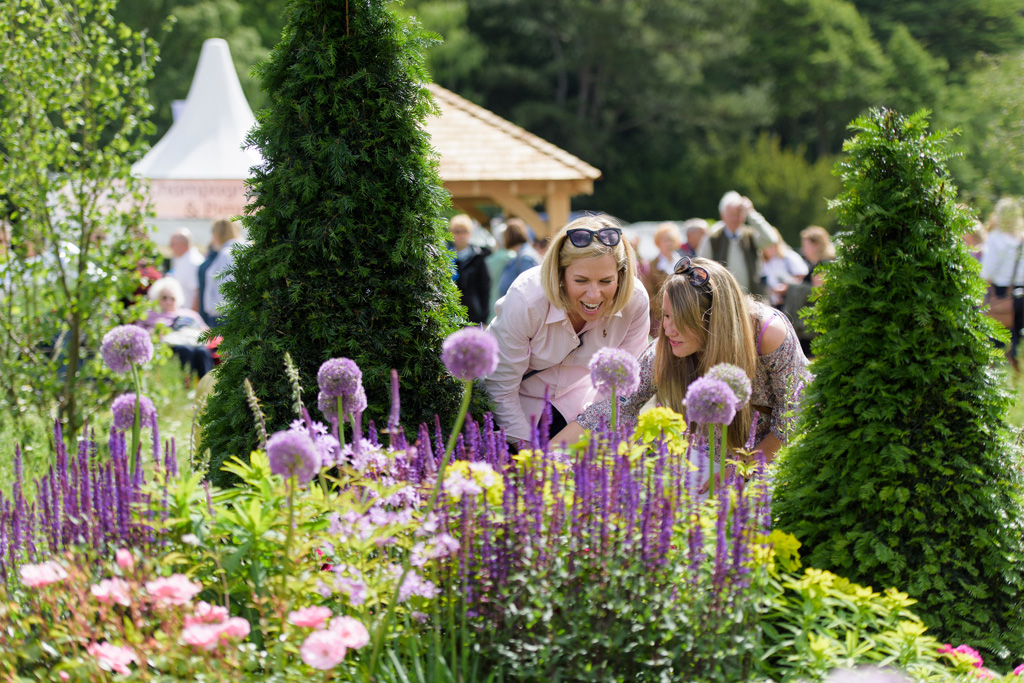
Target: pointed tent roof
{"type": "Point", "coordinates": [205, 142]}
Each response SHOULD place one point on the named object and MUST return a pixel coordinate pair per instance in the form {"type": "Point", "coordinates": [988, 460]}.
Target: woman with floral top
{"type": "Point", "coordinates": [707, 320]}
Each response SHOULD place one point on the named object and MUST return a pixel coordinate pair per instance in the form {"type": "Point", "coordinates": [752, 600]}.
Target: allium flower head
{"type": "Point", "coordinates": [736, 378]}
{"type": "Point", "coordinates": [124, 411]}
{"type": "Point", "coordinates": [323, 649]}
{"type": "Point", "coordinates": [293, 453]}
{"type": "Point", "coordinates": [470, 353]}
{"type": "Point", "coordinates": [710, 401]}
{"type": "Point", "coordinates": [126, 345]}
{"type": "Point", "coordinates": [339, 377]}
{"type": "Point", "coordinates": [614, 370]}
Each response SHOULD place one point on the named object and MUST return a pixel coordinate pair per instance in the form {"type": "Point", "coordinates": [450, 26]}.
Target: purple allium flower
{"type": "Point", "coordinates": [293, 453]}
{"type": "Point", "coordinates": [124, 411]}
{"type": "Point", "coordinates": [614, 370]}
{"type": "Point", "coordinates": [710, 401]}
{"type": "Point", "coordinates": [470, 353]}
{"type": "Point", "coordinates": [339, 377]}
{"type": "Point", "coordinates": [350, 405]}
{"type": "Point", "coordinates": [126, 345]}
{"type": "Point", "coordinates": [736, 378]}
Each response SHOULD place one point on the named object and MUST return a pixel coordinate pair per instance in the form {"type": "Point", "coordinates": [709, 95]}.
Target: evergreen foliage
{"type": "Point", "coordinates": [904, 474]}
{"type": "Point", "coordinates": [347, 254]}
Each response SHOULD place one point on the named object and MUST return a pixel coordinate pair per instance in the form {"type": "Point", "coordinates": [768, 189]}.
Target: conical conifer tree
{"type": "Point", "coordinates": [904, 474]}
{"type": "Point", "coordinates": [347, 253]}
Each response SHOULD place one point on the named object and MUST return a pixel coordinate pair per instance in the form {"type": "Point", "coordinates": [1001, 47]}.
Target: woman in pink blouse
{"type": "Point", "coordinates": [584, 296]}
{"type": "Point", "coordinates": [709, 320]}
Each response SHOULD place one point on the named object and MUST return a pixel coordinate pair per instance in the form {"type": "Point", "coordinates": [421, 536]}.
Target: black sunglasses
{"type": "Point", "coordinates": [698, 275]}
{"type": "Point", "coordinates": [581, 237]}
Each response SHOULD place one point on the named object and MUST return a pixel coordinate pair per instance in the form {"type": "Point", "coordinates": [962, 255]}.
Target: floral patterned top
{"type": "Point", "coordinates": [776, 385]}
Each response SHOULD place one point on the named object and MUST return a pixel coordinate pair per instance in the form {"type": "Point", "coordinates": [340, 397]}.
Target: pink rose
{"type": "Point", "coordinates": [205, 613]}
{"type": "Point", "coordinates": [111, 657]}
{"type": "Point", "coordinates": [112, 591]}
{"type": "Point", "coordinates": [37, 575]}
{"type": "Point", "coordinates": [202, 636]}
{"type": "Point", "coordinates": [236, 628]}
{"type": "Point", "coordinates": [353, 634]}
{"type": "Point", "coordinates": [124, 559]}
{"type": "Point", "coordinates": [173, 590]}
{"type": "Point", "coordinates": [1019, 670]}
{"type": "Point", "coordinates": [322, 650]}
{"type": "Point", "coordinates": [64, 675]}
{"type": "Point", "coordinates": [310, 617]}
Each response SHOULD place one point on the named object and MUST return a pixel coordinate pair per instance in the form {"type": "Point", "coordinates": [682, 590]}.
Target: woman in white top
{"type": "Point", "coordinates": [583, 297]}
{"type": "Point", "coordinates": [1002, 263]}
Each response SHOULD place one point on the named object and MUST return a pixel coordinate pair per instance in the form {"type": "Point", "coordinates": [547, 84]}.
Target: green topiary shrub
{"type": "Point", "coordinates": [347, 254]}
{"type": "Point", "coordinates": [904, 474]}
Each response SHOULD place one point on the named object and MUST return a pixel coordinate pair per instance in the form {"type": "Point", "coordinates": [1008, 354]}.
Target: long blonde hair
{"type": "Point", "coordinates": [718, 312]}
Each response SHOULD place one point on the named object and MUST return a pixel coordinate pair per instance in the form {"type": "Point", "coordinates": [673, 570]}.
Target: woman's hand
{"type": "Point", "coordinates": [569, 435]}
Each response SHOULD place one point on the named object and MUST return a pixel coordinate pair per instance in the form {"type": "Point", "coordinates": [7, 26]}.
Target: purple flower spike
{"type": "Point", "coordinates": [614, 370]}
{"type": "Point", "coordinates": [124, 412]}
{"type": "Point", "coordinates": [470, 353]}
{"type": "Point", "coordinates": [339, 377]}
{"type": "Point", "coordinates": [710, 401]}
{"type": "Point", "coordinates": [126, 345]}
{"type": "Point", "coordinates": [736, 378]}
{"type": "Point", "coordinates": [293, 453]}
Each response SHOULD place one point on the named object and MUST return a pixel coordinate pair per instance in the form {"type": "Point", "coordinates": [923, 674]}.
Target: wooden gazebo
{"type": "Point", "coordinates": [488, 161]}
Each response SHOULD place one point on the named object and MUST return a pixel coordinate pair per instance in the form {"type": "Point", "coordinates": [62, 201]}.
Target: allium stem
{"type": "Point", "coordinates": [711, 458]}
{"type": "Point", "coordinates": [467, 394]}
{"type": "Point", "coordinates": [341, 423]}
{"type": "Point", "coordinates": [615, 411]}
{"type": "Point", "coordinates": [137, 421]}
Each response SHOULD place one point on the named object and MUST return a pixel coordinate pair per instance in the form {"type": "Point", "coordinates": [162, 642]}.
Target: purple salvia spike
{"type": "Point", "coordinates": [754, 417]}
{"type": "Point", "coordinates": [30, 532]}
{"type": "Point", "coordinates": [156, 443]}
{"type": "Point", "coordinates": [460, 449]}
{"type": "Point", "coordinates": [334, 427]}
{"type": "Point", "coordinates": [171, 459]}
{"type": "Point", "coordinates": [438, 442]}
{"type": "Point", "coordinates": [307, 419]}
{"type": "Point", "coordinates": [487, 441]}
{"type": "Point", "coordinates": [741, 536]}
{"type": "Point", "coordinates": [371, 434]}
{"type": "Point", "coordinates": [545, 421]}
{"type": "Point", "coordinates": [357, 433]}
{"type": "Point", "coordinates": [471, 432]}
{"type": "Point", "coordinates": [722, 544]}
{"type": "Point", "coordinates": [422, 450]}
{"type": "Point", "coordinates": [209, 498]}
{"type": "Point", "coordinates": [73, 510]}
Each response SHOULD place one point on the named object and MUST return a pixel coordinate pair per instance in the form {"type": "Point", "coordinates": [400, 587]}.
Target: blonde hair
{"type": "Point", "coordinates": [719, 313]}
{"type": "Point", "coordinates": [669, 229]}
{"type": "Point", "coordinates": [562, 253]}
{"type": "Point", "coordinates": [225, 230]}
{"type": "Point", "coordinates": [819, 237]}
{"type": "Point", "coordinates": [1007, 217]}
{"type": "Point", "coordinates": [462, 220]}
{"type": "Point", "coordinates": [170, 285]}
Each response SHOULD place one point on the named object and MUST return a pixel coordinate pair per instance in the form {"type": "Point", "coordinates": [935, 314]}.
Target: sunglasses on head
{"type": "Point", "coordinates": [581, 237]}
{"type": "Point", "coordinates": [698, 275]}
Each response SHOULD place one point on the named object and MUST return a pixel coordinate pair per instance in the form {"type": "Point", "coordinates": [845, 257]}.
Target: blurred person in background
{"type": "Point", "coordinates": [517, 239]}
{"type": "Point", "coordinates": [179, 327]}
{"type": "Point", "coordinates": [737, 239]}
{"type": "Point", "coordinates": [184, 262]}
{"type": "Point", "coordinates": [1003, 268]}
{"type": "Point", "coordinates": [782, 267]}
{"type": "Point", "coordinates": [227, 235]}
{"type": "Point", "coordinates": [695, 229]}
{"type": "Point", "coordinates": [975, 240]}
{"type": "Point", "coordinates": [669, 240]}
{"type": "Point", "coordinates": [473, 278]}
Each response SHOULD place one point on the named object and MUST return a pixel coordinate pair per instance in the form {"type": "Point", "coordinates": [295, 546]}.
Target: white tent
{"type": "Point", "coordinates": [197, 170]}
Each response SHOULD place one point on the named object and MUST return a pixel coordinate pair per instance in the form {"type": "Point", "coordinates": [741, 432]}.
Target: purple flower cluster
{"type": "Point", "coordinates": [124, 346]}
{"type": "Point", "coordinates": [614, 370]}
{"type": "Point", "coordinates": [470, 353]}
{"type": "Point", "coordinates": [293, 454]}
{"type": "Point", "coordinates": [124, 412]}
{"type": "Point", "coordinates": [736, 378]}
{"type": "Point", "coordinates": [710, 401]}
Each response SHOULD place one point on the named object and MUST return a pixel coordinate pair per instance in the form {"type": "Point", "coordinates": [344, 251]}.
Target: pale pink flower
{"type": "Point", "coordinates": [173, 590]}
{"type": "Point", "coordinates": [112, 657]}
{"type": "Point", "coordinates": [202, 636]}
{"type": "Point", "coordinates": [310, 617]}
{"type": "Point", "coordinates": [1019, 670]}
{"type": "Point", "coordinates": [323, 650]}
{"type": "Point", "coordinates": [236, 628]}
{"type": "Point", "coordinates": [985, 673]}
{"type": "Point", "coordinates": [112, 592]}
{"type": "Point", "coordinates": [37, 575]}
{"type": "Point", "coordinates": [124, 559]}
{"type": "Point", "coordinates": [353, 634]}
{"type": "Point", "coordinates": [205, 613]}
{"type": "Point", "coordinates": [965, 653]}
{"type": "Point", "coordinates": [64, 676]}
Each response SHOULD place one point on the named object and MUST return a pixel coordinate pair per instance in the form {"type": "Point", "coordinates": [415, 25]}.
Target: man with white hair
{"type": "Point", "coordinates": [185, 262]}
{"type": "Point", "coordinates": [736, 240]}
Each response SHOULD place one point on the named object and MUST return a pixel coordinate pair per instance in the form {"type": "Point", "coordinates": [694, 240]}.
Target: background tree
{"type": "Point", "coordinates": [347, 254]}
{"type": "Point", "coordinates": [903, 473]}
{"type": "Point", "coordinates": [72, 122]}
